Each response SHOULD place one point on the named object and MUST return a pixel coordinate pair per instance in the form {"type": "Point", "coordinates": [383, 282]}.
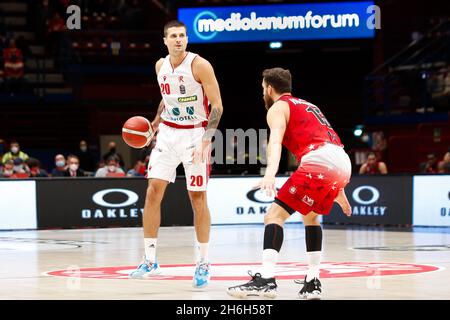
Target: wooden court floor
{"type": "Point", "coordinates": [358, 263]}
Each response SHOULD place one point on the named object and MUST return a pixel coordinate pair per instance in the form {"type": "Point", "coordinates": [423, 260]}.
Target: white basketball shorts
{"type": "Point", "coordinates": [175, 146]}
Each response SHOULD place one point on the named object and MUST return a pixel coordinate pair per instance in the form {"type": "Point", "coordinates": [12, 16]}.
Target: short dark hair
{"type": "Point", "coordinates": [173, 23]}
{"type": "Point", "coordinates": [33, 162]}
{"type": "Point", "coordinates": [278, 78]}
{"type": "Point", "coordinates": [72, 156]}
{"type": "Point", "coordinates": [112, 158]}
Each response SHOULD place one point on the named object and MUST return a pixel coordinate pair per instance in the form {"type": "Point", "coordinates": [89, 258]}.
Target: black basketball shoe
{"type": "Point", "coordinates": [257, 286]}
{"type": "Point", "coordinates": [311, 290]}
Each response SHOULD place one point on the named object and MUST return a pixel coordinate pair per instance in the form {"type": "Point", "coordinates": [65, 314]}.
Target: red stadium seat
{"type": "Point", "coordinates": [19, 175]}
{"type": "Point", "coordinates": [115, 174]}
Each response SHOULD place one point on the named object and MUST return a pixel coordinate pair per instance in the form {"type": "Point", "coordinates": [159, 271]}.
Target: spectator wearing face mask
{"type": "Point", "coordinates": [21, 169]}
{"type": "Point", "coordinates": [87, 158]}
{"type": "Point", "coordinates": [8, 169]}
{"type": "Point", "coordinates": [35, 168]}
{"type": "Point", "coordinates": [60, 166]}
{"type": "Point", "coordinates": [111, 169]}
{"type": "Point", "coordinates": [73, 169]}
{"type": "Point", "coordinates": [113, 153]}
{"type": "Point", "coordinates": [14, 152]}
{"type": "Point", "coordinates": [140, 168]}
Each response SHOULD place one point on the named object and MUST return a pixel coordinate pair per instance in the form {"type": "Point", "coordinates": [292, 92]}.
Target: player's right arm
{"type": "Point", "coordinates": [157, 119]}
{"type": "Point", "coordinates": [277, 119]}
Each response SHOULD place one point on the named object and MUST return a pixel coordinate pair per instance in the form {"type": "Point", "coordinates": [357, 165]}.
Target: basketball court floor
{"type": "Point", "coordinates": [358, 263]}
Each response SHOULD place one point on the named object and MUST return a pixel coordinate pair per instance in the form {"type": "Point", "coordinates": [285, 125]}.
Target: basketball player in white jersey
{"type": "Point", "coordinates": [186, 126]}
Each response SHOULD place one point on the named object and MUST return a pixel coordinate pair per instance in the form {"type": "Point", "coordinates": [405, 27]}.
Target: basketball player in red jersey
{"type": "Point", "coordinates": [186, 127]}
{"type": "Point", "coordinates": [320, 179]}
{"type": "Point", "coordinates": [372, 166]}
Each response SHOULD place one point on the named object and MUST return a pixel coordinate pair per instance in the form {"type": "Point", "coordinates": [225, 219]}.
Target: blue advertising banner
{"type": "Point", "coordinates": [276, 22]}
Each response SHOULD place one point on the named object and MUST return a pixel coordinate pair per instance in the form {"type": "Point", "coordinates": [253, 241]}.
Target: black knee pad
{"type": "Point", "coordinates": [273, 237]}
{"type": "Point", "coordinates": [313, 237]}
{"type": "Point", "coordinates": [284, 206]}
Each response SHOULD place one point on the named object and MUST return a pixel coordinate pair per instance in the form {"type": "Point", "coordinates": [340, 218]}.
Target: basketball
{"type": "Point", "coordinates": [137, 132]}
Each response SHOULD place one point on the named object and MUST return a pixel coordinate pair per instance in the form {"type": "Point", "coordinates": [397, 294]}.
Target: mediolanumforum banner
{"type": "Point", "coordinates": [275, 22]}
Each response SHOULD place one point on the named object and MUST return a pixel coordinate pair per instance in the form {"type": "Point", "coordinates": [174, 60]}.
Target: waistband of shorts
{"type": "Point", "coordinates": [188, 126]}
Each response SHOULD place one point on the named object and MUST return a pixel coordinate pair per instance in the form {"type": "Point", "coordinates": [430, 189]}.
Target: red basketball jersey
{"type": "Point", "coordinates": [373, 169]}
{"type": "Point", "coordinates": [308, 129]}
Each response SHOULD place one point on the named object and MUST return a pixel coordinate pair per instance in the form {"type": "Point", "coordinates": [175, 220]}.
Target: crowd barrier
{"type": "Point", "coordinates": [421, 200]}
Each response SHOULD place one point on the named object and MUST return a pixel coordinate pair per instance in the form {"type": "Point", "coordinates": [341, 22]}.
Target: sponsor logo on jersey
{"type": "Point", "coordinates": [182, 89]}
{"type": "Point", "coordinates": [190, 110]}
{"type": "Point", "coordinates": [187, 99]}
{"type": "Point", "coordinates": [183, 118]}
{"type": "Point", "coordinates": [176, 111]}
{"type": "Point", "coordinates": [308, 200]}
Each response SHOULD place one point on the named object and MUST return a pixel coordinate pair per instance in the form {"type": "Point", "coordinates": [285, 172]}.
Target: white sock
{"type": "Point", "coordinates": [203, 252]}
{"type": "Point", "coordinates": [313, 258]}
{"type": "Point", "coordinates": [269, 261]}
{"type": "Point", "coordinates": [150, 249]}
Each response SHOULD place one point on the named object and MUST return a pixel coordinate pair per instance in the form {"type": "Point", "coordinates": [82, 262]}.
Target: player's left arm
{"type": "Point", "coordinates": [277, 121]}
{"type": "Point", "coordinates": [204, 73]}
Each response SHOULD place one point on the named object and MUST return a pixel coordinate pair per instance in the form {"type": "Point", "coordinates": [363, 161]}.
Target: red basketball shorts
{"type": "Point", "coordinates": [317, 181]}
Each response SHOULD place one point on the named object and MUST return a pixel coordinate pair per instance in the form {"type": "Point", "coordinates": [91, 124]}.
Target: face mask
{"type": "Point", "coordinates": [14, 149]}
{"type": "Point", "coordinates": [7, 172]}
{"type": "Point", "coordinates": [60, 163]}
{"type": "Point", "coordinates": [73, 167]}
{"type": "Point", "coordinates": [112, 168]}
{"type": "Point", "coordinates": [18, 168]}
{"type": "Point", "coordinates": [83, 149]}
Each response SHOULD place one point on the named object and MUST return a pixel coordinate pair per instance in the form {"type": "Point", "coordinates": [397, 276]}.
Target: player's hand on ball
{"type": "Point", "coordinates": [267, 184]}
{"type": "Point", "coordinates": [152, 137]}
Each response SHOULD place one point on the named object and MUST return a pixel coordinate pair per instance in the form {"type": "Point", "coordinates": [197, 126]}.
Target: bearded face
{"type": "Point", "coordinates": [268, 101]}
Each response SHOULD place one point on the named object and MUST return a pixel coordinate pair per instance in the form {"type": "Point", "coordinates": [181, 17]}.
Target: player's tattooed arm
{"type": "Point", "coordinates": [213, 122]}
{"type": "Point", "coordinates": [204, 73]}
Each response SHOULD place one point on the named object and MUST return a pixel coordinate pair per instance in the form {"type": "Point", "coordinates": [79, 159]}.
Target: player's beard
{"type": "Point", "coordinates": [268, 101]}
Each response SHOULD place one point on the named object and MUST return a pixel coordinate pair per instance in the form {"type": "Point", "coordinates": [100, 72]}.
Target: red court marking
{"type": "Point", "coordinates": [238, 271]}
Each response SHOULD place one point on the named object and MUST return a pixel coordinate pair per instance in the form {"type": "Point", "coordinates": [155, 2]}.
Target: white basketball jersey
{"type": "Point", "coordinates": [184, 99]}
